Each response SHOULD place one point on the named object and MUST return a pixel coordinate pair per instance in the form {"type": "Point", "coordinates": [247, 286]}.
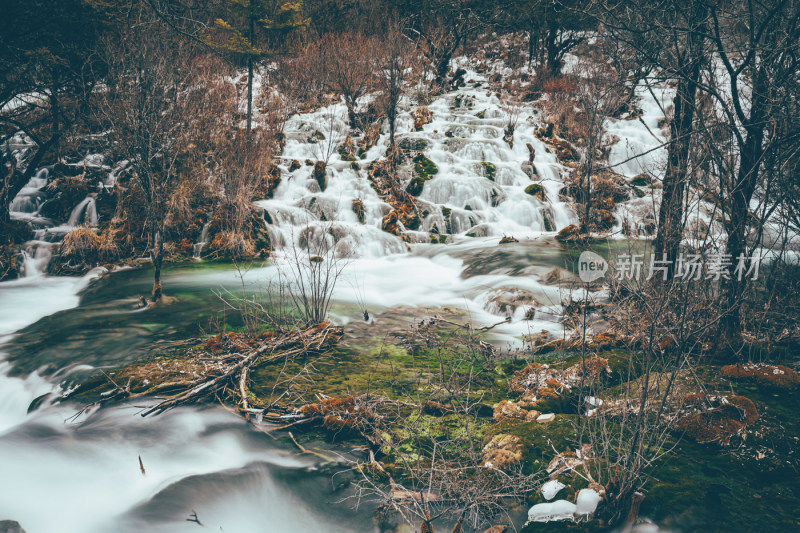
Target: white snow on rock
{"type": "Point", "coordinates": [586, 502]}
{"type": "Point", "coordinates": [553, 511]}
{"type": "Point", "coordinates": [551, 488]}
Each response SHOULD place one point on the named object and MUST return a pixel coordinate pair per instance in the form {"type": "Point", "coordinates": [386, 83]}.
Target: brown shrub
{"type": "Point", "coordinates": [232, 243]}
{"type": "Point", "coordinates": [81, 244]}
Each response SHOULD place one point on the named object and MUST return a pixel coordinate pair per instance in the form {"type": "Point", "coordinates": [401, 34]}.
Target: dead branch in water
{"type": "Point", "coordinates": [226, 374]}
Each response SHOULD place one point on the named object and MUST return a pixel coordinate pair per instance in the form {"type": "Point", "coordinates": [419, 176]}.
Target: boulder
{"type": "Point", "coordinates": [10, 526]}
{"type": "Point", "coordinates": [320, 175]}
{"type": "Point", "coordinates": [544, 419]}
{"type": "Point", "coordinates": [569, 234]}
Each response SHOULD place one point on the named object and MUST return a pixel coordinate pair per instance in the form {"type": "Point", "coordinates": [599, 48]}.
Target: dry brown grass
{"type": "Point", "coordinates": [82, 244]}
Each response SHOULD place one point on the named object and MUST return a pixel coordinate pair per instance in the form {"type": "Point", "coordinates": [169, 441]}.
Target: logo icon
{"type": "Point", "coordinates": [591, 267]}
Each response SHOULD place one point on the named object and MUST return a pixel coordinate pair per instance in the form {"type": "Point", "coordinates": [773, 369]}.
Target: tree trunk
{"type": "Point", "coordinates": [249, 94]}
{"type": "Point", "coordinates": [351, 111]}
{"type": "Point", "coordinates": [392, 116]}
{"type": "Point", "coordinates": [739, 209]}
{"type": "Point", "coordinates": [553, 64]}
{"type": "Point", "coordinates": [531, 47]}
{"type": "Point", "coordinates": [156, 255]}
{"type": "Point", "coordinates": [670, 215]}
{"type": "Point", "coordinates": [250, 79]}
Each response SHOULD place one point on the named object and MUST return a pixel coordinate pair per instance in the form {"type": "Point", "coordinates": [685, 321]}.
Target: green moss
{"type": "Point", "coordinates": [424, 167]}
{"type": "Point", "coordinates": [415, 186]}
{"type": "Point", "coordinates": [344, 155]}
{"type": "Point", "coordinates": [489, 169]}
{"type": "Point", "coordinates": [315, 137]}
{"type": "Point", "coordinates": [534, 189]}
{"type": "Point", "coordinates": [481, 114]}
{"type": "Point", "coordinates": [539, 439]}
{"type": "Point", "coordinates": [642, 180]}
{"type": "Point", "coordinates": [446, 212]}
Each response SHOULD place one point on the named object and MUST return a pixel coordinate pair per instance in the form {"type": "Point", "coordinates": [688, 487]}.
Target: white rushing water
{"type": "Point", "coordinates": [83, 476]}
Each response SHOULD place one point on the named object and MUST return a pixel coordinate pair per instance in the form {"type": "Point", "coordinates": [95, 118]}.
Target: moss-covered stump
{"type": "Point", "coordinates": [570, 233]}
{"type": "Point", "coordinates": [358, 209]}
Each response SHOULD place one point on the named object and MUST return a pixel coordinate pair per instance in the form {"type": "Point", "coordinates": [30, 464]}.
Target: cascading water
{"type": "Point", "coordinates": [85, 212]}
{"type": "Point", "coordinates": [460, 199]}
{"type": "Point", "coordinates": [197, 248]}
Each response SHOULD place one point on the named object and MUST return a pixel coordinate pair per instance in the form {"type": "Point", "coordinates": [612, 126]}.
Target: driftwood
{"type": "Point", "coordinates": [230, 372]}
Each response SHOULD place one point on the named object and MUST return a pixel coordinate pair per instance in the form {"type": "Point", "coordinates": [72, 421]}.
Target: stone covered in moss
{"type": "Point", "coordinates": [534, 189]}
{"type": "Point", "coordinates": [489, 170]}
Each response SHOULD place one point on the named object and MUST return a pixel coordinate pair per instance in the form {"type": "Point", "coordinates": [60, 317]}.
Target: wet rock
{"type": "Point", "coordinates": [411, 144]}
{"type": "Point", "coordinates": [358, 209]}
{"type": "Point", "coordinates": [320, 175]}
{"type": "Point", "coordinates": [604, 219]}
{"type": "Point", "coordinates": [507, 301]}
{"type": "Point", "coordinates": [422, 115]}
{"type": "Point", "coordinates": [534, 189]}
{"type": "Point", "coordinates": [642, 180]}
{"type": "Point", "coordinates": [64, 194]}
{"type": "Point", "coordinates": [532, 415]}
{"type": "Point", "coordinates": [489, 170]}
{"type": "Point", "coordinates": [507, 240]}
{"type": "Point", "coordinates": [546, 131]}
{"type": "Point", "coordinates": [347, 150]}
{"type": "Point", "coordinates": [294, 165]}
{"type": "Point", "coordinates": [10, 526]}
{"type": "Point", "coordinates": [565, 151]}
{"type": "Point", "coordinates": [569, 234]}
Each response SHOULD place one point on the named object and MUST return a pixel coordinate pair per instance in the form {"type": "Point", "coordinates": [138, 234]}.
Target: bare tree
{"type": "Point", "coordinates": [396, 62]}
{"type": "Point", "coordinates": [756, 96]}
{"type": "Point", "coordinates": [345, 63]}
{"type": "Point", "coordinates": [147, 104]}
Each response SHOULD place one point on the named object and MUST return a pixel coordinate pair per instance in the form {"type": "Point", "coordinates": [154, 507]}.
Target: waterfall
{"type": "Point", "coordinates": [26, 204]}
{"type": "Point", "coordinates": [478, 189]}
{"type": "Point", "coordinates": [85, 211]}
{"type": "Point", "coordinates": [197, 248]}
